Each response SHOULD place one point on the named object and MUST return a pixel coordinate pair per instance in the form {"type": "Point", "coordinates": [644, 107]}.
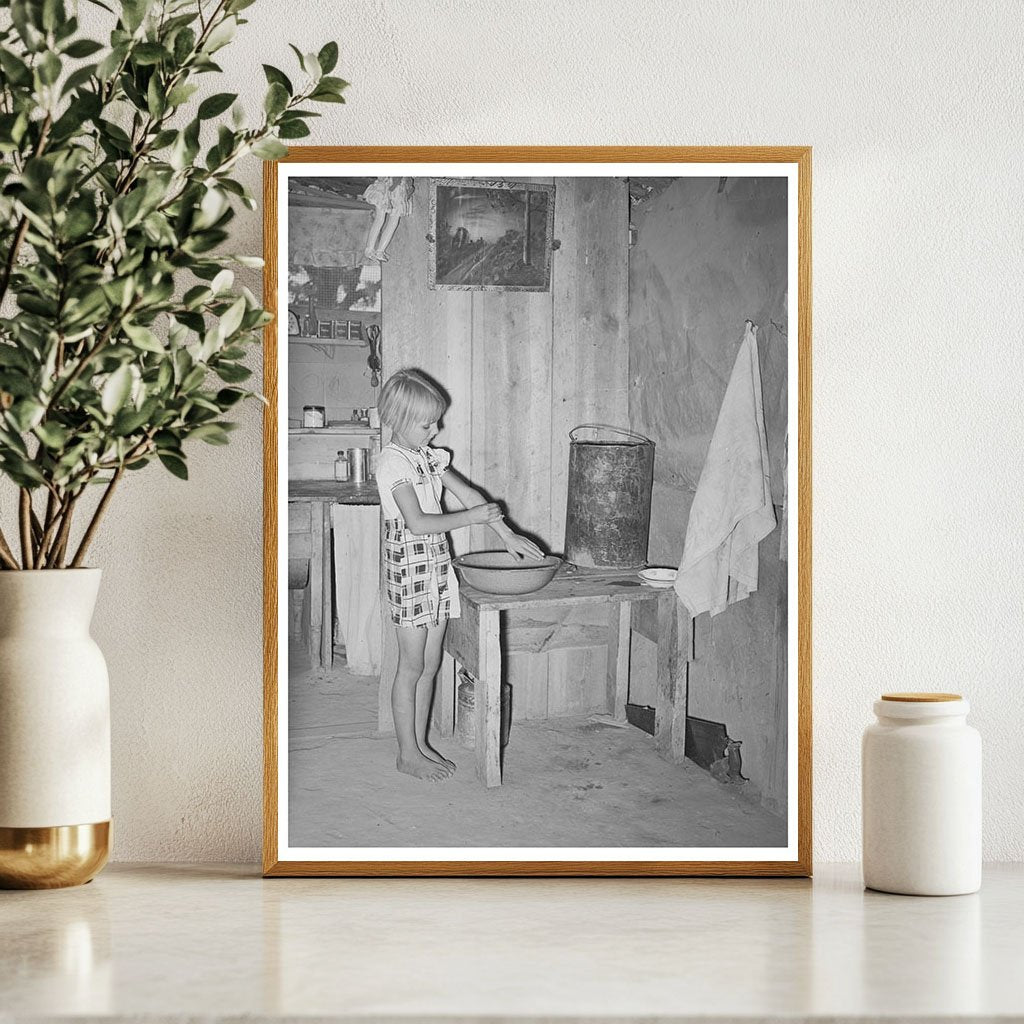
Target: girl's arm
{"type": "Point", "coordinates": [419, 522]}
{"type": "Point", "coordinates": [468, 496]}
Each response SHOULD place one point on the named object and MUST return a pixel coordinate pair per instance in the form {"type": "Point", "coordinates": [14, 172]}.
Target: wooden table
{"type": "Point", "coordinates": [319, 495]}
{"type": "Point", "coordinates": [488, 629]}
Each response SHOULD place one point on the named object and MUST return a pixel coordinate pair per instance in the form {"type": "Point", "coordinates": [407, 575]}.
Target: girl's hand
{"type": "Point", "coordinates": [483, 514]}
{"type": "Point", "coordinates": [522, 548]}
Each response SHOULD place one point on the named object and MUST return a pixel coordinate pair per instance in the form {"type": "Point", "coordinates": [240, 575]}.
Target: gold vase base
{"type": "Point", "coordinates": [52, 857]}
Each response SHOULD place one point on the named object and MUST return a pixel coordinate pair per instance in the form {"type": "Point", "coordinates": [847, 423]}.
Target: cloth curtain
{"type": "Point", "coordinates": [356, 530]}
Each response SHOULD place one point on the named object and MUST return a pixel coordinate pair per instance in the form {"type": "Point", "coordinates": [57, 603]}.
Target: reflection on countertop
{"type": "Point", "coordinates": [340, 491]}
{"type": "Point", "coordinates": [118, 948]}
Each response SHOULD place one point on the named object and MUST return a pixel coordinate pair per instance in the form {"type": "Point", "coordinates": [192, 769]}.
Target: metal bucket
{"type": "Point", "coordinates": [608, 511]}
{"type": "Point", "coordinates": [465, 716]}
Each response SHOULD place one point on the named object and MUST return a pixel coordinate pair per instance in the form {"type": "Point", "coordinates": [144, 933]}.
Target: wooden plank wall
{"type": "Point", "coordinates": [590, 339]}
{"type": "Point", "coordinates": [708, 256]}
{"type": "Point", "coordinates": [511, 337]}
{"type": "Point", "coordinates": [522, 369]}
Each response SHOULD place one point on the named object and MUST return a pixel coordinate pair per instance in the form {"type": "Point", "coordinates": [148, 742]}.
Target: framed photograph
{"type": "Point", "coordinates": [537, 512]}
{"type": "Point", "coordinates": [490, 235]}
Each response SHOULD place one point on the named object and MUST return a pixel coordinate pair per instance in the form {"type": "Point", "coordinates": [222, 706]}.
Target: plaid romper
{"type": "Point", "coordinates": [419, 580]}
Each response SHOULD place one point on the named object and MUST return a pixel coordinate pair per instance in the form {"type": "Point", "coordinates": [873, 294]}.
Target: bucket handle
{"type": "Point", "coordinates": [608, 426]}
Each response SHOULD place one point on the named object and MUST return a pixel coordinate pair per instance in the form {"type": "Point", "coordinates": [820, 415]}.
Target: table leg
{"type": "Point", "coordinates": [327, 615]}
{"type": "Point", "coordinates": [670, 728]}
{"type": "Point", "coordinates": [620, 616]}
{"type": "Point", "coordinates": [488, 700]}
{"type": "Point", "coordinates": [316, 583]}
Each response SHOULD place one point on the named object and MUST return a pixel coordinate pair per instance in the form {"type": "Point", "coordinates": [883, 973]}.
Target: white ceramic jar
{"type": "Point", "coordinates": [921, 779]}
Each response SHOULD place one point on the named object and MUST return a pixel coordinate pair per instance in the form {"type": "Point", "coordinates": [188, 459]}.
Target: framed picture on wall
{"type": "Point", "coordinates": [490, 235]}
{"type": "Point", "coordinates": [537, 511]}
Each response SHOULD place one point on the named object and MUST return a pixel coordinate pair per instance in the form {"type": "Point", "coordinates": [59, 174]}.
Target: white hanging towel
{"type": "Point", "coordinates": [732, 509]}
{"type": "Point", "coordinates": [784, 529]}
{"type": "Point", "coordinates": [357, 584]}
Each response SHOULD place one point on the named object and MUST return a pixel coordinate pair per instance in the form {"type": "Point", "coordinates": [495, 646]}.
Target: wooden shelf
{"type": "Point", "coordinates": [298, 339]}
{"type": "Point", "coordinates": [338, 428]}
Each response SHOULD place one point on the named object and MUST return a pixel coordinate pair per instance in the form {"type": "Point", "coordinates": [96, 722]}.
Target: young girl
{"type": "Point", "coordinates": [420, 583]}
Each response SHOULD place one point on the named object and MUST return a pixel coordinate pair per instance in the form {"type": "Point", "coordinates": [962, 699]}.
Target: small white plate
{"type": "Point", "coordinates": [658, 578]}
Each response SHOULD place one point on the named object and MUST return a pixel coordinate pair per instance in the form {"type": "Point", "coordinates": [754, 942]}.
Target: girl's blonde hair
{"type": "Point", "coordinates": [410, 396]}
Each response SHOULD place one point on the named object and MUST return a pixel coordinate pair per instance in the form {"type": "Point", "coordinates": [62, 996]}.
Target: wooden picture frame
{"type": "Point", "coordinates": [489, 235]}
{"type": "Point", "coordinates": [511, 436]}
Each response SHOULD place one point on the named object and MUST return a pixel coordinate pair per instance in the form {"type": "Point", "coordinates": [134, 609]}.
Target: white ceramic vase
{"type": "Point", "coordinates": [54, 731]}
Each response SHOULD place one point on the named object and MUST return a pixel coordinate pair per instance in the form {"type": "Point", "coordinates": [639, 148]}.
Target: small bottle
{"type": "Point", "coordinates": [341, 466]}
{"type": "Point", "coordinates": [921, 790]}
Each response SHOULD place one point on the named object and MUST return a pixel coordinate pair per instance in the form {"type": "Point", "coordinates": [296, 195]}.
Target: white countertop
{"type": "Point", "coordinates": [179, 941]}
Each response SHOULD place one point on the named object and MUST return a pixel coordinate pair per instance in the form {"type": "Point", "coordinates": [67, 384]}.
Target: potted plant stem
{"type": "Point", "coordinates": [122, 338]}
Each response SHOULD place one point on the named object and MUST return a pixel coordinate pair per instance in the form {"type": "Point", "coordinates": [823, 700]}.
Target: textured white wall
{"type": "Point", "coordinates": [913, 110]}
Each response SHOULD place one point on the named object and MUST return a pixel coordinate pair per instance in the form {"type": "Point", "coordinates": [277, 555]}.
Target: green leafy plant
{"type": "Point", "coordinates": [124, 335]}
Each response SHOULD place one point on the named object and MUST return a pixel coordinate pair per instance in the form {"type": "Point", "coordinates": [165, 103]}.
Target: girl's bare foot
{"type": "Point", "coordinates": [422, 767]}
{"type": "Point", "coordinates": [431, 753]}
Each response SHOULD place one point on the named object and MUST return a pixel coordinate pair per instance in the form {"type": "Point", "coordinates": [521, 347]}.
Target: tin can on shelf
{"type": "Point", "coordinates": [921, 791]}
{"type": "Point", "coordinates": [359, 464]}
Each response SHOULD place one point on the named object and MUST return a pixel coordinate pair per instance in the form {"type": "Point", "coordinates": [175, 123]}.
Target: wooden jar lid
{"type": "Point", "coordinates": [921, 698]}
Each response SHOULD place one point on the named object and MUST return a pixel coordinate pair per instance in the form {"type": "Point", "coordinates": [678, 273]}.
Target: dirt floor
{"type": "Point", "coordinates": [566, 782]}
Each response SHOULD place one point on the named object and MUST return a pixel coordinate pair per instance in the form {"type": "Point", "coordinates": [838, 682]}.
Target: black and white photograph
{"type": "Point", "coordinates": [537, 528]}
